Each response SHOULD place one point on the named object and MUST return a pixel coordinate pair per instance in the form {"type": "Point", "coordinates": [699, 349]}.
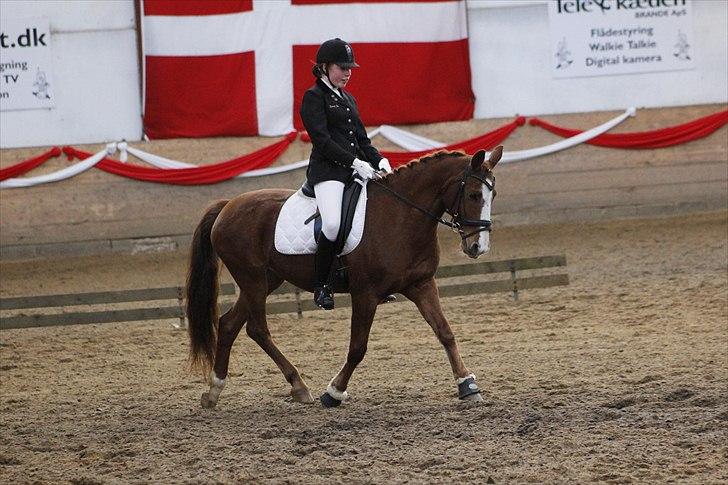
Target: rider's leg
{"type": "Point", "coordinates": [325, 254]}
{"type": "Point", "coordinates": [329, 196]}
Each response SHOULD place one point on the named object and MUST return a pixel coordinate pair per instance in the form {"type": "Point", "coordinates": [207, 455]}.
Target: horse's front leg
{"type": "Point", "coordinates": [363, 308]}
{"type": "Point", "coordinates": [426, 297]}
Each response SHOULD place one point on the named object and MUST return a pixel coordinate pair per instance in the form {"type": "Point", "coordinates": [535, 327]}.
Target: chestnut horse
{"type": "Point", "coordinates": [398, 253]}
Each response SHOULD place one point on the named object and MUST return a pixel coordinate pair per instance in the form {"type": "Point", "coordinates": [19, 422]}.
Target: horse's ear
{"type": "Point", "coordinates": [495, 157]}
{"type": "Point", "coordinates": [477, 159]}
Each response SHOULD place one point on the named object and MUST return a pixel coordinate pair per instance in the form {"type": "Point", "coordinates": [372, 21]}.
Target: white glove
{"type": "Point", "coordinates": [384, 165]}
{"type": "Point", "coordinates": [363, 168]}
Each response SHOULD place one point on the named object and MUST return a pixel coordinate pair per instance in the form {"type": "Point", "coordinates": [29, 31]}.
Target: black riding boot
{"type": "Point", "coordinates": [322, 294]}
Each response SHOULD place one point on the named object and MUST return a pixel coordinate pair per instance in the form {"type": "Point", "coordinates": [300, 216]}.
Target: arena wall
{"type": "Point", "coordinates": [98, 212]}
{"type": "Point", "coordinates": [97, 71]}
{"type": "Point", "coordinates": [512, 66]}
{"type": "Point", "coordinates": [97, 83]}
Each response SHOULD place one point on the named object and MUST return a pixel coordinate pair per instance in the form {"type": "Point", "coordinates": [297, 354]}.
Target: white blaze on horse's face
{"type": "Point", "coordinates": [484, 237]}
{"type": "Point", "coordinates": [473, 247]}
{"type": "Point", "coordinates": [485, 198]}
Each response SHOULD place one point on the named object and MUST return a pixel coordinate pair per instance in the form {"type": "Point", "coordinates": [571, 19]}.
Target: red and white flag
{"type": "Point", "coordinates": [240, 67]}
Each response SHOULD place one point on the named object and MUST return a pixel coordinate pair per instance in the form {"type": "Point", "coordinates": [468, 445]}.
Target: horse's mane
{"type": "Point", "coordinates": [413, 165]}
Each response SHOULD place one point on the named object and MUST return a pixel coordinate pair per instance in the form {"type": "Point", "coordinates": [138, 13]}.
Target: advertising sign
{"type": "Point", "coordinates": [26, 80]}
{"type": "Point", "coordinates": [607, 37]}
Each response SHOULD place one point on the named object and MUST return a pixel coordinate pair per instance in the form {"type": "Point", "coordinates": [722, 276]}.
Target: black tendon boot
{"type": "Point", "coordinates": [322, 294]}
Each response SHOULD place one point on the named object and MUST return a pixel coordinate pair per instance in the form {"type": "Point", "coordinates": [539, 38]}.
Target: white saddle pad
{"type": "Point", "coordinates": [294, 237]}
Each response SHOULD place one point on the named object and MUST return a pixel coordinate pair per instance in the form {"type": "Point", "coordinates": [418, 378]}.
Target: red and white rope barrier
{"type": "Point", "coordinates": [68, 172]}
{"type": "Point", "coordinates": [256, 164]}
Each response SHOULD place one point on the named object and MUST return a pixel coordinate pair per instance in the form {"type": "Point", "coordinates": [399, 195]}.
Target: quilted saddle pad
{"type": "Point", "coordinates": [293, 236]}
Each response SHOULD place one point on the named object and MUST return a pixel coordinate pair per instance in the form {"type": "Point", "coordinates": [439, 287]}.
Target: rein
{"type": "Point", "coordinates": [456, 223]}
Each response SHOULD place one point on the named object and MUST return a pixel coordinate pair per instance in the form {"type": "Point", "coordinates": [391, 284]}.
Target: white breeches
{"type": "Point", "coordinates": [329, 195]}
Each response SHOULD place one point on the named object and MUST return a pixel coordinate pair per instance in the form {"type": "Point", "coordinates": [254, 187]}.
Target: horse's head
{"type": "Point", "coordinates": [472, 198]}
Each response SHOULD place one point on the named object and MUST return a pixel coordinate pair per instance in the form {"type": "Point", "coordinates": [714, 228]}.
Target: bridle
{"type": "Point", "coordinates": [457, 223]}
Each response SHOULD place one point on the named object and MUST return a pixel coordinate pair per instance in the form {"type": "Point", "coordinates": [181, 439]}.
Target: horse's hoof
{"type": "Point", "coordinates": [473, 397]}
{"type": "Point", "coordinates": [206, 402]}
{"type": "Point", "coordinates": [468, 390]}
{"type": "Point", "coordinates": [302, 395]}
{"type": "Point", "coordinates": [328, 401]}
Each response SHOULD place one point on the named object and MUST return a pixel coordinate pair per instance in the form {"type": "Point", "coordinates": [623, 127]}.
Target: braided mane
{"type": "Point", "coordinates": [424, 160]}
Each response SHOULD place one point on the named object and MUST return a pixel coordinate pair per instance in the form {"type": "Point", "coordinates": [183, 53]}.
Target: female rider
{"type": "Point", "coordinates": [340, 144]}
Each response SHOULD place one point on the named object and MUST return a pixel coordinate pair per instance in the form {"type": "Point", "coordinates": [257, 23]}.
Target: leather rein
{"type": "Point", "coordinates": [457, 223]}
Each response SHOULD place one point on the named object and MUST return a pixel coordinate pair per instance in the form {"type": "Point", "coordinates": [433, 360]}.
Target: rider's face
{"type": "Point", "coordinates": [338, 76]}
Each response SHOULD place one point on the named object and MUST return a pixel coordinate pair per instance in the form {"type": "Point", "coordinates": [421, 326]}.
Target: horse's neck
{"type": "Point", "coordinates": [411, 231]}
{"type": "Point", "coordinates": [422, 183]}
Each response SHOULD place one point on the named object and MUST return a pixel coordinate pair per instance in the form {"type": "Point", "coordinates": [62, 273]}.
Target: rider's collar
{"type": "Point", "coordinates": [328, 84]}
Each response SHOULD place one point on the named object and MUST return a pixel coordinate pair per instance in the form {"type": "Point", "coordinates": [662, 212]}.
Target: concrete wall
{"type": "Point", "coordinates": [95, 71]}
{"type": "Point", "coordinates": [99, 212]}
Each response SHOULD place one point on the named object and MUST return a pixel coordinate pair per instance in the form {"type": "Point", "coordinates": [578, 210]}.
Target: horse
{"type": "Point", "coordinates": [398, 253]}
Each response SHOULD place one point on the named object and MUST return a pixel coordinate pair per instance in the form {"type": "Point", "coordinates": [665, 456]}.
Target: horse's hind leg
{"type": "Point", "coordinates": [425, 296]}
{"type": "Point", "coordinates": [257, 330]}
{"type": "Point", "coordinates": [228, 329]}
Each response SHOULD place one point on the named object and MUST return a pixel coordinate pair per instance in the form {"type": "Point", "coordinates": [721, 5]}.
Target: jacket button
{"type": "Point", "coordinates": [349, 120]}
{"type": "Point", "coordinates": [351, 144]}
{"type": "Point", "coordinates": [347, 109]}
{"type": "Point", "coordinates": [351, 132]}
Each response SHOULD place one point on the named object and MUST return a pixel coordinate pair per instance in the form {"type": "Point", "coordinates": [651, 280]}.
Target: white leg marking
{"type": "Point", "coordinates": [216, 387]}
{"type": "Point", "coordinates": [463, 379]}
{"type": "Point", "coordinates": [335, 393]}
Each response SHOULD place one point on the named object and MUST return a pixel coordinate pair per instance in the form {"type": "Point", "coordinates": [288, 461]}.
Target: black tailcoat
{"type": "Point", "coordinates": [337, 134]}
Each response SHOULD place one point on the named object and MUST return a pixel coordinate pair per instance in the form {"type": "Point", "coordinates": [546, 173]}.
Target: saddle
{"type": "Point", "coordinates": [294, 233]}
{"type": "Point", "coordinates": [339, 277]}
{"type": "Point", "coordinates": [298, 227]}
{"type": "Point", "coordinates": [352, 191]}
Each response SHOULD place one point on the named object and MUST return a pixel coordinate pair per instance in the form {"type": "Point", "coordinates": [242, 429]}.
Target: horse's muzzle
{"type": "Point", "coordinates": [475, 249]}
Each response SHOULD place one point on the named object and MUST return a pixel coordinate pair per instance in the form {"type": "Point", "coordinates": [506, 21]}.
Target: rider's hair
{"type": "Point", "coordinates": [318, 70]}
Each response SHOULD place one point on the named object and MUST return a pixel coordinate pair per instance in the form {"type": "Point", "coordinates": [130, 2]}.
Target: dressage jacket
{"type": "Point", "coordinates": [337, 134]}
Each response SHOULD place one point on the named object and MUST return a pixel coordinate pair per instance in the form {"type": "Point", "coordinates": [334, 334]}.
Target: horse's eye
{"type": "Point", "coordinates": [475, 196]}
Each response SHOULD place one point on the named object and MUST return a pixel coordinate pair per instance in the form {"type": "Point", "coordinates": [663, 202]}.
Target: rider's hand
{"type": "Point", "coordinates": [364, 169]}
{"type": "Point", "coordinates": [384, 165]}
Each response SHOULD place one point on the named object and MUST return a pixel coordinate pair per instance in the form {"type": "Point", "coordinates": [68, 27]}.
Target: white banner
{"type": "Point", "coordinates": [26, 80]}
{"type": "Point", "coordinates": [607, 37]}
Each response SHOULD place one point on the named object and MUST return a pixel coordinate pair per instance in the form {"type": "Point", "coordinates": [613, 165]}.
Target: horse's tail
{"type": "Point", "coordinates": [202, 289]}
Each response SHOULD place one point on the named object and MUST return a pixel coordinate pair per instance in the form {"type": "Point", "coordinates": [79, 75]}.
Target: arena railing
{"type": "Point", "coordinates": [45, 309]}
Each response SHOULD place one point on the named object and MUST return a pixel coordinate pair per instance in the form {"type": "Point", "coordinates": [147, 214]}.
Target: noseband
{"type": "Point", "coordinates": [456, 222]}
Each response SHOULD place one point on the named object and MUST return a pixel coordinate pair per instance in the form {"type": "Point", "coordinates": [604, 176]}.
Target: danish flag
{"type": "Point", "coordinates": [240, 67]}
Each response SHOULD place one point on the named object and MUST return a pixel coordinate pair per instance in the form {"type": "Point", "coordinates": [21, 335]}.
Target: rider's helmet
{"type": "Point", "coordinates": [338, 52]}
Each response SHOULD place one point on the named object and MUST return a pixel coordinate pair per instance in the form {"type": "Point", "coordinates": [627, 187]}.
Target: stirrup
{"type": "Point", "coordinates": [323, 297]}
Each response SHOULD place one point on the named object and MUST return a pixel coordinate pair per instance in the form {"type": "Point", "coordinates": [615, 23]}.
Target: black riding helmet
{"type": "Point", "coordinates": [336, 51]}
